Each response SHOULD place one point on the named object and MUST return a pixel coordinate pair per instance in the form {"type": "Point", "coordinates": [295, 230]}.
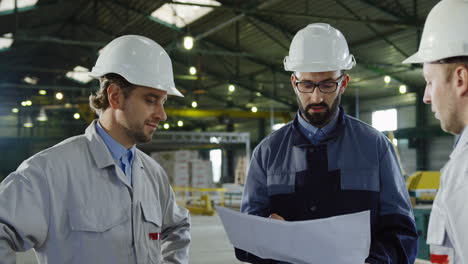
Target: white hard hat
{"type": "Point", "coordinates": [318, 47]}
{"type": "Point", "coordinates": [138, 59]}
{"type": "Point", "coordinates": [445, 33]}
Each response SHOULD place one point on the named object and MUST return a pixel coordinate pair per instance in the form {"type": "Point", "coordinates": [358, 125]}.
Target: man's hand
{"type": "Point", "coordinates": [277, 217]}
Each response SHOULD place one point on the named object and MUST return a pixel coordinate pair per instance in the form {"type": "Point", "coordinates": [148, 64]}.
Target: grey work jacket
{"type": "Point", "coordinates": [72, 205]}
{"type": "Point", "coordinates": [448, 231]}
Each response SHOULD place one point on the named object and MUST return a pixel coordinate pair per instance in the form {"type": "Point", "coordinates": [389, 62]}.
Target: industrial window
{"type": "Point", "coordinates": [216, 160]}
{"type": "Point", "coordinates": [182, 15]}
{"type": "Point", "coordinates": [385, 120]}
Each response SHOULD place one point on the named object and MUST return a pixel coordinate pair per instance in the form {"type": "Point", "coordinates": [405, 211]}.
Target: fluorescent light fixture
{"type": "Point", "coordinates": [183, 15]}
{"type": "Point", "coordinates": [28, 103]}
{"type": "Point", "coordinates": [76, 115]}
{"type": "Point", "coordinates": [254, 109]}
{"type": "Point", "coordinates": [42, 115]}
{"type": "Point", "coordinates": [68, 105]}
{"type": "Point", "coordinates": [402, 89]}
{"type": "Point", "coordinates": [59, 96]}
{"type": "Point", "coordinates": [231, 88]}
{"type": "Point", "coordinates": [258, 94]}
{"type": "Point", "coordinates": [6, 40]}
{"type": "Point", "coordinates": [15, 110]}
{"type": "Point", "coordinates": [79, 74]}
{"type": "Point", "coordinates": [42, 92]}
{"type": "Point", "coordinates": [31, 80]}
{"type": "Point", "coordinates": [188, 42]}
{"type": "Point", "coordinates": [194, 104]}
{"type": "Point", "coordinates": [6, 5]}
{"type": "Point", "coordinates": [193, 70]}
{"type": "Point", "coordinates": [385, 120]}
{"type": "Point", "coordinates": [180, 123]}
{"type": "Point", "coordinates": [387, 79]}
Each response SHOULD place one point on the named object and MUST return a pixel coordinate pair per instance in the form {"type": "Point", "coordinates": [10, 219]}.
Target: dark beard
{"type": "Point", "coordinates": [320, 119]}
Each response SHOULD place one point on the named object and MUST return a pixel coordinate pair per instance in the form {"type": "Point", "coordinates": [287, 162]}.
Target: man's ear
{"type": "Point", "coordinates": [293, 83]}
{"type": "Point", "coordinates": [460, 76]}
{"type": "Point", "coordinates": [344, 83]}
{"type": "Point", "coordinates": [114, 95]}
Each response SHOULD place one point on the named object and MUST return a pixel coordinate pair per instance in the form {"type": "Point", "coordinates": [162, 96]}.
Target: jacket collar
{"type": "Point", "coordinates": [461, 143]}
{"type": "Point", "coordinates": [299, 140]}
{"type": "Point", "coordinates": [99, 151]}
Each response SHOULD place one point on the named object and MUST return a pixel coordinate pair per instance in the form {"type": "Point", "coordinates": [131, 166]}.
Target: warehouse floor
{"type": "Point", "coordinates": [209, 244]}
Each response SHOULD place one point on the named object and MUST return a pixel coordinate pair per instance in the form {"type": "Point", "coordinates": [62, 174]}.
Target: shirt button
{"type": "Point", "coordinates": [313, 208]}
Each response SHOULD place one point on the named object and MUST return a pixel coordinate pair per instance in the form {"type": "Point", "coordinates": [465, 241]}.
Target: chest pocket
{"type": "Point", "coordinates": [152, 228]}
{"type": "Point", "coordinates": [281, 183]}
{"type": "Point", "coordinates": [360, 179]}
{"type": "Point", "coordinates": [93, 219]}
{"type": "Point", "coordinates": [100, 232]}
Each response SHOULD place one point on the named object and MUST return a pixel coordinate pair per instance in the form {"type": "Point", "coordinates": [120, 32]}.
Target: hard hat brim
{"type": "Point", "coordinates": [170, 90]}
{"type": "Point", "coordinates": [415, 58]}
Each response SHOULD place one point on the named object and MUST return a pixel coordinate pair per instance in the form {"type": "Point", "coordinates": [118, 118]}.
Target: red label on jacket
{"type": "Point", "coordinates": [439, 259]}
{"type": "Point", "coordinates": [153, 236]}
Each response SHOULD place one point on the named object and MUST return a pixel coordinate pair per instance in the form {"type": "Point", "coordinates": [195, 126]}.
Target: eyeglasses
{"type": "Point", "coordinates": [324, 87]}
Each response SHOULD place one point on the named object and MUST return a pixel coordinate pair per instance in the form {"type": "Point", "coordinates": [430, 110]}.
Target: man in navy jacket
{"type": "Point", "coordinates": [325, 163]}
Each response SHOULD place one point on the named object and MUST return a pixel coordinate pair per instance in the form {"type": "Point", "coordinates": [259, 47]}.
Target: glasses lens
{"type": "Point", "coordinates": [305, 86]}
{"type": "Point", "coordinates": [327, 87]}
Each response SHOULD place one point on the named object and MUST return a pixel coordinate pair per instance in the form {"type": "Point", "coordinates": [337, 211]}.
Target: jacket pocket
{"type": "Point", "coordinates": [281, 183]}
{"type": "Point", "coordinates": [360, 179]}
{"type": "Point", "coordinates": [104, 233]}
{"type": "Point", "coordinates": [152, 227]}
{"type": "Point", "coordinates": [91, 219]}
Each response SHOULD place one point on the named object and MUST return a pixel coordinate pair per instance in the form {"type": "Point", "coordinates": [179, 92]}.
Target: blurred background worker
{"type": "Point", "coordinates": [95, 198]}
{"type": "Point", "coordinates": [444, 52]}
{"type": "Point", "coordinates": [325, 163]}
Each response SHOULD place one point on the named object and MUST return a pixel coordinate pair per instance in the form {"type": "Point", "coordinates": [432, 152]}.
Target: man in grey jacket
{"type": "Point", "coordinates": [95, 198]}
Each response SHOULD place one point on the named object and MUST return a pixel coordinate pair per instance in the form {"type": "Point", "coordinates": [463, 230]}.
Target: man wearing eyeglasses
{"type": "Point", "coordinates": [325, 163]}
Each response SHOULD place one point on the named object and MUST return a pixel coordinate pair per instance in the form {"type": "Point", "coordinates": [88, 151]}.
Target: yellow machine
{"type": "Point", "coordinates": [199, 200]}
{"type": "Point", "coordinates": [423, 186]}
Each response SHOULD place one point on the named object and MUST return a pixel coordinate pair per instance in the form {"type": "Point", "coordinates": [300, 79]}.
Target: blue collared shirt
{"type": "Point", "coordinates": [314, 134]}
{"type": "Point", "coordinates": [120, 154]}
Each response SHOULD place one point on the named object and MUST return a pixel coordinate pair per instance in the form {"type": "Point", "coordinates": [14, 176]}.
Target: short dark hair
{"type": "Point", "coordinates": [100, 100]}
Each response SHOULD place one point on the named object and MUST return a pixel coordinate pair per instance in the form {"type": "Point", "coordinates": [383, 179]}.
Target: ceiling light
{"type": "Point", "coordinates": [231, 88]}
{"type": "Point", "coordinates": [42, 92]}
{"type": "Point", "coordinates": [194, 104]}
{"type": "Point", "coordinates": [188, 42]}
{"type": "Point", "coordinates": [254, 109]}
{"type": "Point", "coordinates": [402, 89]}
{"type": "Point", "coordinates": [76, 115]}
{"type": "Point", "coordinates": [387, 79]}
{"type": "Point", "coordinates": [180, 123]}
{"type": "Point", "coordinates": [59, 96]}
{"type": "Point", "coordinates": [193, 70]}
{"type": "Point", "coordinates": [31, 80]}
{"type": "Point", "coordinates": [42, 115]}
{"type": "Point", "coordinates": [166, 126]}
{"type": "Point", "coordinates": [15, 110]}
{"type": "Point", "coordinates": [6, 40]}
{"type": "Point", "coordinates": [79, 74]}
{"type": "Point", "coordinates": [28, 122]}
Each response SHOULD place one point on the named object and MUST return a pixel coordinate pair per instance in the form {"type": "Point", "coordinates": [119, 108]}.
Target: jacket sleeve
{"type": "Point", "coordinates": [255, 201]}
{"type": "Point", "coordinates": [175, 233]}
{"type": "Point", "coordinates": [395, 238]}
{"type": "Point", "coordinates": [24, 211]}
{"type": "Point", "coordinates": [457, 212]}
